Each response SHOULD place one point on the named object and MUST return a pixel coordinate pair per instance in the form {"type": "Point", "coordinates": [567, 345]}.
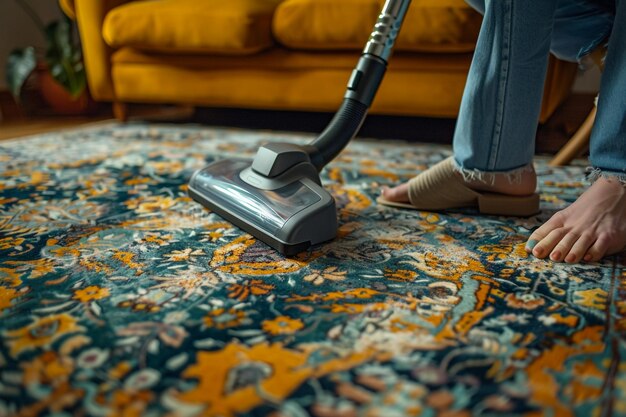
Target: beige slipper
{"type": "Point", "coordinates": [440, 188]}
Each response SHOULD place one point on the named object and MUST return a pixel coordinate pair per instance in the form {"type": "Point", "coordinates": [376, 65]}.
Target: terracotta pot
{"type": "Point", "coordinates": [59, 99]}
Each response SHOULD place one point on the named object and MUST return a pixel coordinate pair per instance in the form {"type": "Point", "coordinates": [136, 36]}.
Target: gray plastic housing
{"type": "Point", "coordinates": [295, 214]}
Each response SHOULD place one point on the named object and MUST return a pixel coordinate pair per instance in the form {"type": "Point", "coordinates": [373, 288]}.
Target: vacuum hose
{"type": "Point", "coordinates": [362, 86]}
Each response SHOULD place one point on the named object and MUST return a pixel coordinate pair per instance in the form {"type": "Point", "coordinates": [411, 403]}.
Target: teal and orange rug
{"type": "Point", "coordinates": [119, 296]}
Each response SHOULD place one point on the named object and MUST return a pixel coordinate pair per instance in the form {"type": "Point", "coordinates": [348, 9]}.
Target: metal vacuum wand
{"type": "Point", "coordinates": [386, 29]}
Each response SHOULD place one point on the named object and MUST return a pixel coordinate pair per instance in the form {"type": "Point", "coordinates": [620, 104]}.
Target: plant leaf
{"type": "Point", "coordinates": [64, 57]}
{"type": "Point", "coordinates": [20, 65]}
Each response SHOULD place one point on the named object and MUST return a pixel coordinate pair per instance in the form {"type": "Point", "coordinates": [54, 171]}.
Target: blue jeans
{"type": "Point", "coordinates": [499, 112]}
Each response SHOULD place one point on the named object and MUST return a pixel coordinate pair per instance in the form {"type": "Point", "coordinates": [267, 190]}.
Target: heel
{"type": "Point", "coordinates": [506, 205]}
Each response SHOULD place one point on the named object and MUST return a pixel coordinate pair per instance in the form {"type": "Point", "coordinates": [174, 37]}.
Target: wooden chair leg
{"type": "Point", "coordinates": [120, 111]}
{"type": "Point", "coordinates": [577, 144]}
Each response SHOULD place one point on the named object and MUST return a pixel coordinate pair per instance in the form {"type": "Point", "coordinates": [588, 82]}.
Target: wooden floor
{"type": "Point", "coordinates": [26, 126]}
{"type": "Point", "coordinates": [21, 128]}
{"type": "Point", "coordinates": [15, 123]}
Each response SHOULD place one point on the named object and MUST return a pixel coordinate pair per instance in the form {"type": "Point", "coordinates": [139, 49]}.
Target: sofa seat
{"type": "Point", "coordinates": [282, 79]}
{"type": "Point", "coordinates": [280, 54]}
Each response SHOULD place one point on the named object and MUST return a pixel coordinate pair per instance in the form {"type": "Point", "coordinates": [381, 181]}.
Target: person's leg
{"type": "Point", "coordinates": [579, 26]}
{"type": "Point", "coordinates": [608, 138]}
{"type": "Point", "coordinates": [595, 224]}
{"type": "Point", "coordinates": [495, 132]}
{"type": "Point", "coordinates": [500, 108]}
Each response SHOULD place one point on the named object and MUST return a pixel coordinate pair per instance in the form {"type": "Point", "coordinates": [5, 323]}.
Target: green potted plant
{"type": "Point", "coordinates": [59, 66]}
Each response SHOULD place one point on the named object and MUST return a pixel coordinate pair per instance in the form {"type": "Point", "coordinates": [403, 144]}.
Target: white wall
{"type": "Point", "coordinates": [17, 30]}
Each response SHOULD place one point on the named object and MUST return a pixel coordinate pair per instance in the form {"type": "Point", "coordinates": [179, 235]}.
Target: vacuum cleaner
{"type": "Point", "coordinates": [278, 197]}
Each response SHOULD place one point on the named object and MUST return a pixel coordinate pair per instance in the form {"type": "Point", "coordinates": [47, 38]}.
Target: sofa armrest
{"type": "Point", "coordinates": [90, 15]}
{"type": "Point", "coordinates": [68, 8]}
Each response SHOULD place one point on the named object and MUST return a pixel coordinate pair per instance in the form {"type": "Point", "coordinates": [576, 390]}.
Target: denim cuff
{"type": "Point", "coordinates": [489, 177]}
{"type": "Point", "coordinates": [594, 173]}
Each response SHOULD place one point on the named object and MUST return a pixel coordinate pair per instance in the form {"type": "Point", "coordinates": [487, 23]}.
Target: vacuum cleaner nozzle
{"type": "Point", "coordinates": [291, 217]}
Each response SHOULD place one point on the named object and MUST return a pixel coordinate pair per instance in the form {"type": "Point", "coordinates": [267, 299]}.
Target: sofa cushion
{"type": "Point", "coordinates": [192, 26]}
{"type": "Point", "coordinates": [429, 26]}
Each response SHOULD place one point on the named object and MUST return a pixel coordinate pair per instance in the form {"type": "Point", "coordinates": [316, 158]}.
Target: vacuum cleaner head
{"type": "Point", "coordinates": [291, 217]}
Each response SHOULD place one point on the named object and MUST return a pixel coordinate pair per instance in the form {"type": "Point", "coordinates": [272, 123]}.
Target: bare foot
{"type": "Point", "coordinates": [590, 228]}
{"type": "Point", "coordinates": [501, 184]}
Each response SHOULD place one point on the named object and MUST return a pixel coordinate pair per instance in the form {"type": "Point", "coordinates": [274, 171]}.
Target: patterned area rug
{"type": "Point", "coordinates": [119, 296]}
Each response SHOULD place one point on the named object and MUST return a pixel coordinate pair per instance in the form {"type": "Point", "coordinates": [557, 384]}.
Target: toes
{"type": "Point", "coordinates": [579, 248]}
{"type": "Point", "coordinates": [542, 232]}
{"type": "Point", "coordinates": [563, 247]}
{"type": "Point", "coordinates": [598, 249]}
{"type": "Point", "coordinates": [547, 244]}
{"type": "Point", "coordinates": [399, 193]}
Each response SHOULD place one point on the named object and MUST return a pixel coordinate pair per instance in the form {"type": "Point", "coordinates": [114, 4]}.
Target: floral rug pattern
{"type": "Point", "coordinates": [119, 296]}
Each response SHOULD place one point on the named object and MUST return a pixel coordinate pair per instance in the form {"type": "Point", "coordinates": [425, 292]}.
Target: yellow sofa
{"type": "Point", "coordinates": [279, 54]}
